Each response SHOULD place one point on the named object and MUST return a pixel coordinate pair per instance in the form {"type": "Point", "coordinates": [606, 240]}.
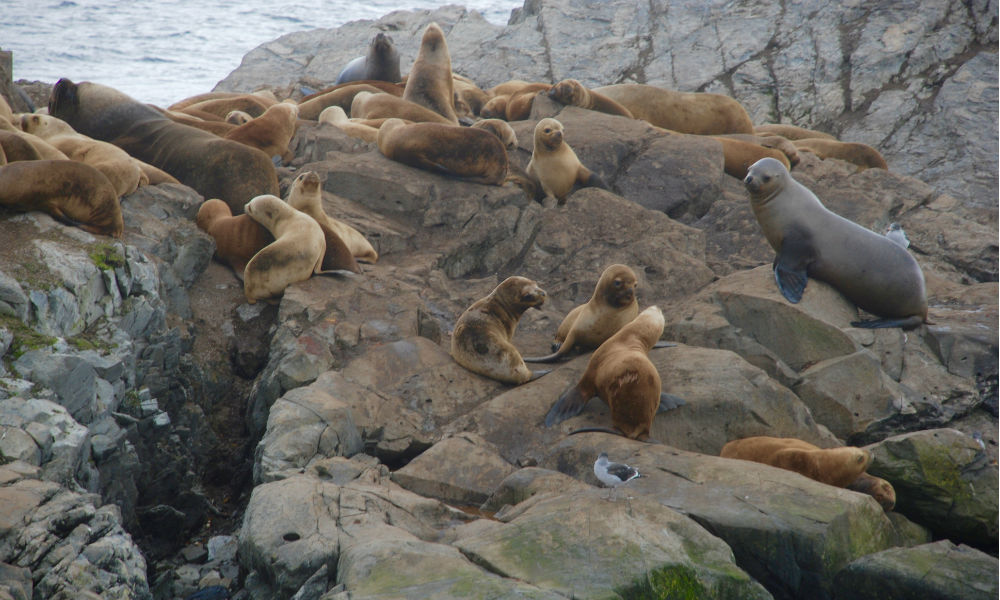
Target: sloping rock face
{"type": "Point", "coordinates": [916, 80]}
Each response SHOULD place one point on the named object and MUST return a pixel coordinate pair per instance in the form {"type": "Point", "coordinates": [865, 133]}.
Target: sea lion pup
{"type": "Point", "coordinates": [495, 108]}
{"type": "Point", "coordinates": [214, 167]}
{"type": "Point", "coordinates": [367, 105]}
{"type": "Point", "coordinates": [343, 96]}
{"type": "Point", "coordinates": [430, 82]}
{"type": "Point", "coordinates": [271, 132]}
{"type": "Point", "coordinates": [122, 170]}
{"type": "Point", "coordinates": [471, 93]}
{"type": "Point", "coordinates": [573, 93]}
{"type": "Point", "coordinates": [867, 268]}
{"type": "Point", "coordinates": [790, 132]}
{"type": "Point", "coordinates": [555, 166]}
{"type": "Point", "coordinates": [381, 62]}
{"type": "Point", "coordinates": [482, 339]}
{"type": "Point", "coordinates": [500, 129]}
{"type": "Point", "coordinates": [863, 155]}
{"type": "Point", "coordinates": [877, 488]}
{"type": "Point", "coordinates": [834, 466]}
{"type": "Point", "coordinates": [238, 117]}
{"type": "Point", "coordinates": [334, 115]}
{"type": "Point", "coordinates": [306, 195]}
{"type": "Point", "coordinates": [684, 112]}
{"type": "Point", "coordinates": [621, 374]}
{"type": "Point", "coordinates": [612, 306]}
{"type": "Point", "coordinates": [72, 192]}
{"type": "Point", "coordinates": [294, 255]}
{"type": "Point", "coordinates": [465, 152]}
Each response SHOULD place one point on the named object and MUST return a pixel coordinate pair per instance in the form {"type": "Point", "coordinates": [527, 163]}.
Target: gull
{"type": "Point", "coordinates": [613, 474]}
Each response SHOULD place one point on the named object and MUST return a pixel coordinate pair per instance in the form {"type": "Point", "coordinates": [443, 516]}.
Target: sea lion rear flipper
{"type": "Point", "coordinates": [790, 266]}
{"type": "Point", "coordinates": [669, 402]}
{"type": "Point", "coordinates": [536, 374]}
{"type": "Point", "coordinates": [904, 323]}
{"type": "Point", "coordinates": [569, 404]}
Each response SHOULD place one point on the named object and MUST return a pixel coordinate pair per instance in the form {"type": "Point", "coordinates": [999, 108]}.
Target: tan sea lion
{"type": "Point", "coordinates": [833, 466]}
{"type": "Point", "coordinates": [862, 155]}
{"type": "Point", "coordinates": [877, 488]}
{"type": "Point", "coordinates": [555, 166]}
{"type": "Point", "coordinates": [501, 129]}
{"type": "Point", "coordinates": [612, 306]}
{"type": "Point", "coordinates": [396, 89]}
{"type": "Point", "coordinates": [573, 93]}
{"type": "Point", "coordinates": [216, 126]}
{"type": "Point", "coordinates": [252, 104]}
{"type": "Point", "coordinates": [621, 374]}
{"type": "Point", "coordinates": [515, 86]}
{"type": "Point", "coordinates": [343, 96]}
{"type": "Point", "coordinates": [867, 268]}
{"type": "Point", "coordinates": [738, 155]}
{"type": "Point", "coordinates": [43, 149]}
{"type": "Point", "coordinates": [684, 112]}
{"type": "Point", "coordinates": [295, 254]}
{"type": "Point", "coordinates": [482, 341]}
{"type": "Point", "coordinates": [6, 113]}
{"type": "Point", "coordinates": [70, 191]}
{"type": "Point", "coordinates": [465, 152]}
{"type": "Point", "coordinates": [16, 148]}
{"type": "Point", "coordinates": [430, 82]}
{"type": "Point", "coordinates": [334, 115]}
{"type": "Point", "coordinates": [271, 132]}
{"type": "Point", "coordinates": [191, 100]}
{"type": "Point", "coordinates": [238, 117]}
{"type": "Point", "coordinates": [470, 93]}
{"type": "Point", "coordinates": [122, 170]}
{"type": "Point", "coordinates": [518, 107]}
{"type": "Point", "coordinates": [367, 105]}
{"type": "Point", "coordinates": [790, 132]}
{"type": "Point", "coordinates": [306, 195]}
{"type": "Point", "coordinates": [380, 62]}
{"type": "Point", "coordinates": [495, 108]}
{"type": "Point", "coordinates": [214, 167]}
{"type": "Point", "coordinates": [768, 141]}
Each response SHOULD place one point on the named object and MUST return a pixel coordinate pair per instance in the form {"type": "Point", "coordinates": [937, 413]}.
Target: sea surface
{"type": "Point", "coordinates": [161, 51]}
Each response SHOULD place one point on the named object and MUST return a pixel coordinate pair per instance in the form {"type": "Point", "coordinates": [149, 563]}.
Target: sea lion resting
{"type": "Point", "coordinates": [834, 466]}
{"type": "Point", "coordinates": [469, 153]}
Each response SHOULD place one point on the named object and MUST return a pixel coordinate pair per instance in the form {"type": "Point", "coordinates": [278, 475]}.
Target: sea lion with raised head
{"type": "Point", "coordinates": [295, 254]}
{"type": "Point", "coordinates": [380, 62]}
{"type": "Point", "coordinates": [430, 82]}
{"type": "Point", "coordinates": [811, 241]}
{"type": "Point", "coordinates": [555, 166]}
{"type": "Point", "coordinates": [306, 195]}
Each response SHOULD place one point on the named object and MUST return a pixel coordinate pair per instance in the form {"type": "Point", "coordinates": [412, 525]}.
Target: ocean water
{"type": "Point", "coordinates": [162, 51]}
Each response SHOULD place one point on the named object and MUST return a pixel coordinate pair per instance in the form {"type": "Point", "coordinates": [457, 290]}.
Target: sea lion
{"type": "Point", "coordinates": [482, 341]}
{"type": "Point", "coordinates": [122, 170]}
{"type": "Point", "coordinates": [334, 115]}
{"type": "Point", "coordinates": [266, 95]}
{"type": "Point", "coordinates": [470, 93]}
{"type": "Point", "coordinates": [768, 141]}
{"type": "Point", "coordinates": [237, 239]}
{"type": "Point", "coordinates": [396, 89]}
{"type": "Point", "coordinates": [238, 117]}
{"type": "Point", "coordinates": [685, 112]}
{"type": "Point", "coordinates": [465, 152]}
{"type": "Point", "coordinates": [252, 104]}
{"type": "Point", "coordinates": [515, 86]}
{"type": "Point", "coordinates": [501, 129]}
{"type": "Point", "coordinates": [495, 108]}
{"type": "Point", "coordinates": [16, 148]}
{"type": "Point", "coordinates": [555, 166]}
{"type": "Point", "coordinates": [6, 113]}
{"type": "Point", "coordinates": [518, 107]}
{"type": "Point", "coordinates": [430, 82]}
{"type": "Point", "coordinates": [790, 132]}
{"type": "Point", "coordinates": [216, 126]}
{"type": "Point", "coordinates": [612, 306]}
{"type": "Point", "coordinates": [70, 191]}
{"type": "Point", "coordinates": [39, 147]}
{"type": "Point", "coordinates": [367, 105]}
{"type": "Point", "coordinates": [867, 268]}
{"type": "Point", "coordinates": [738, 155]}
{"type": "Point", "coordinates": [294, 255]}
{"type": "Point", "coordinates": [214, 167]}
{"type": "Point", "coordinates": [573, 93]}
{"type": "Point", "coordinates": [877, 488]}
{"type": "Point", "coordinates": [343, 96]}
{"type": "Point", "coordinates": [833, 466]}
{"type": "Point", "coordinates": [271, 132]}
{"type": "Point", "coordinates": [306, 195]}
{"type": "Point", "coordinates": [381, 62]}
{"type": "Point", "coordinates": [862, 155]}
{"type": "Point", "coordinates": [621, 374]}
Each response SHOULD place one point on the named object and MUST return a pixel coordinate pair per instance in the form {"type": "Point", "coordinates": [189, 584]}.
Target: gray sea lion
{"type": "Point", "coordinates": [381, 62]}
{"type": "Point", "coordinates": [867, 268]}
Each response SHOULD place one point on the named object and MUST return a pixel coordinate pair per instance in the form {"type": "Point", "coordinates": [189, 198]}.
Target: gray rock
{"type": "Point", "coordinates": [13, 301]}
{"type": "Point", "coordinates": [462, 470]}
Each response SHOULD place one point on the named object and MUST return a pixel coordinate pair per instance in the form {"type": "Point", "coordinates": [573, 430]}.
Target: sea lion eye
{"type": "Point", "coordinates": [618, 283]}
{"type": "Point", "coordinates": [548, 130]}
{"type": "Point", "coordinates": [766, 178]}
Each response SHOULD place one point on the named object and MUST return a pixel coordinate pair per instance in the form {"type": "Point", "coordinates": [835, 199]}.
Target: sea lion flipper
{"type": "Point", "coordinates": [587, 178]}
{"type": "Point", "coordinates": [536, 374]}
{"type": "Point", "coordinates": [663, 344]}
{"type": "Point", "coordinates": [790, 266]}
{"type": "Point", "coordinates": [669, 402]}
{"type": "Point", "coordinates": [569, 404]}
{"type": "Point", "coordinates": [904, 323]}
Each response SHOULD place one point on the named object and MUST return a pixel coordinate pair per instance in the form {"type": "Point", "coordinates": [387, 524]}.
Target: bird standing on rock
{"type": "Point", "coordinates": [613, 474]}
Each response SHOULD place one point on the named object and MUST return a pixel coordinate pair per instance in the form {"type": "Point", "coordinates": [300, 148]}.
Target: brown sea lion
{"type": "Point", "coordinates": [768, 141]}
{"type": "Point", "coordinates": [790, 132]}
{"type": "Point", "coordinates": [396, 89]}
{"type": "Point", "coordinates": [684, 112]}
{"type": "Point", "coordinates": [501, 129]}
{"type": "Point", "coordinates": [862, 155]}
{"type": "Point", "coordinates": [237, 239]}
{"type": "Point", "coordinates": [214, 167]}
{"type": "Point", "coordinates": [470, 93]}
{"type": "Point", "coordinates": [495, 108]}
{"type": "Point", "coordinates": [877, 488]}
{"type": "Point", "coordinates": [430, 82]}
{"type": "Point", "coordinates": [378, 106]}
{"type": "Point", "coordinates": [295, 254]}
{"type": "Point", "coordinates": [191, 100]}
{"type": "Point", "coordinates": [738, 155]}
{"type": "Point", "coordinates": [555, 166]}
{"type": "Point", "coordinates": [468, 153]}
{"type": "Point", "coordinates": [252, 104]}
{"type": "Point", "coordinates": [16, 148]}
{"type": "Point", "coordinates": [271, 132]}
{"type": "Point", "coordinates": [482, 339]}
{"type": "Point", "coordinates": [238, 117]}
{"type": "Point", "coordinates": [515, 86]}
{"type": "Point", "coordinates": [70, 191]}
{"type": "Point", "coordinates": [306, 195]}
{"type": "Point", "coordinates": [343, 96]}
{"type": "Point", "coordinates": [833, 466]}
{"type": "Point", "coordinates": [612, 306]}
{"type": "Point", "coordinates": [867, 268]}
{"type": "Point", "coordinates": [573, 93]}
{"type": "Point", "coordinates": [621, 374]}
{"type": "Point", "coordinates": [216, 126]}
{"type": "Point", "coordinates": [380, 62]}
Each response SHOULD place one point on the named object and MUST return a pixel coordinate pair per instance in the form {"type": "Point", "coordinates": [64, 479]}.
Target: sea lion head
{"type": "Point", "coordinates": [765, 178]}
{"type": "Point", "coordinates": [501, 129]}
{"type": "Point", "coordinates": [210, 211]}
{"type": "Point", "coordinates": [433, 40]}
{"type": "Point", "coordinates": [238, 117]}
{"type": "Point", "coordinates": [548, 134]}
{"type": "Point", "coordinates": [495, 108]}
{"type": "Point", "coordinates": [648, 325]}
{"type": "Point", "coordinates": [518, 294]}
{"type": "Point", "coordinates": [568, 91]}
{"type": "Point", "coordinates": [382, 42]}
{"type": "Point", "coordinates": [305, 193]}
{"type": "Point", "coordinates": [616, 287]}
{"type": "Point", "coordinates": [266, 209]}
{"type": "Point", "coordinates": [63, 97]}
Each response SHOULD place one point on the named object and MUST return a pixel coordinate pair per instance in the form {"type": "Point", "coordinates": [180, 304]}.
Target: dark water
{"type": "Point", "coordinates": [163, 51]}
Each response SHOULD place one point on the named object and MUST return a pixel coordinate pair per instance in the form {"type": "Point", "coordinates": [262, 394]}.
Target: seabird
{"type": "Point", "coordinates": [613, 474]}
{"type": "Point", "coordinates": [896, 234]}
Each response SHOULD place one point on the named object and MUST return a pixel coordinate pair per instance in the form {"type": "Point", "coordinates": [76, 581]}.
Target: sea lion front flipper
{"type": "Point", "coordinates": [569, 404]}
{"type": "Point", "coordinates": [536, 374]}
{"type": "Point", "coordinates": [790, 266]}
{"type": "Point", "coordinates": [669, 402]}
{"type": "Point", "coordinates": [587, 178]}
{"type": "Point", "coordinates": [904, 323]}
